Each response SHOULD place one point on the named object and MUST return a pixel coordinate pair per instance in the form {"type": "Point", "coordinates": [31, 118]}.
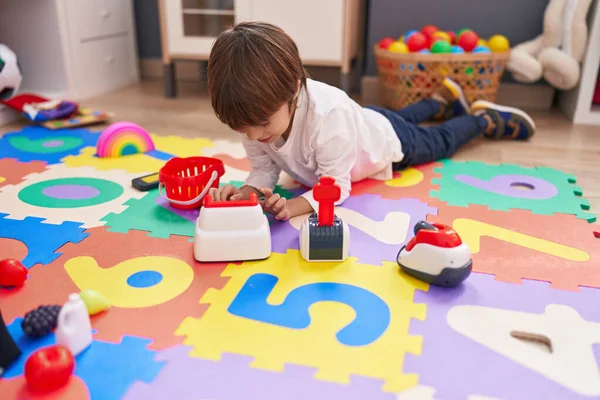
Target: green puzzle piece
{"type": "Point", "coordinates": [146, 214]}
{"type": "Point", "coordinates": [466, 183]}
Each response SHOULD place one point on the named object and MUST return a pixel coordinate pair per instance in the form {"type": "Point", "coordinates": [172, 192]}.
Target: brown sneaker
{"type": "Point", "coordinates": [451, 95]}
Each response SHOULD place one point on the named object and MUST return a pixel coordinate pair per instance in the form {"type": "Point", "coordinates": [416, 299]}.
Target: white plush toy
{"type": "Point", "coordinates": [557, 52]}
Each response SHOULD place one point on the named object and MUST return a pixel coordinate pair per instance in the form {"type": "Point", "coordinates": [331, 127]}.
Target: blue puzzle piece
{"type": "Point", "coordinates": [372, 314]}
{"type": "Point", "coordinates": [40, 144]}
{"type": "Point", "coordinates": [41, 239]}
{"type": "Point", "coordinates": [119, 364]}
{"type": "Point", "coordinates": [160, 155]}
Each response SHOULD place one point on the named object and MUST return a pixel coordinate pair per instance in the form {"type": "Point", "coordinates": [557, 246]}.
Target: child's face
{"type": "Point", "coordinates": [272, 129]}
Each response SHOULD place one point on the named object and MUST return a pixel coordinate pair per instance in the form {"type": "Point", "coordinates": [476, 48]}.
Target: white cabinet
{"type": "Point", "coordinates": [73, 49]}
{"type": "Point", "coordinates": [327, 32]}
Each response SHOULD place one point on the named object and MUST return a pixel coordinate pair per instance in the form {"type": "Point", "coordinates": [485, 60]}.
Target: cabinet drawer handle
{"type": "Point", "coordinates": [109, 59]}
{"type": "Point", "coordinates": [105, 13]}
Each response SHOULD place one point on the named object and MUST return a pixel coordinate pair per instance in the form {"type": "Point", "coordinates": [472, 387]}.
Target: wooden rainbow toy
{"type": "Point", "coordinates": [123, 138]}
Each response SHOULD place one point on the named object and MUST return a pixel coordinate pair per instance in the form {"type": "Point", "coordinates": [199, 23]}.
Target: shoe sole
{"type": "Point", "coordinates": [458, 92]}
{"type": "Point", "coordinates": [483, 104]}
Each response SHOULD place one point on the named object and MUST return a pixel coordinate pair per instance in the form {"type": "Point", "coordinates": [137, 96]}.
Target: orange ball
{"type": "Point", "coordinates": [440, 35]}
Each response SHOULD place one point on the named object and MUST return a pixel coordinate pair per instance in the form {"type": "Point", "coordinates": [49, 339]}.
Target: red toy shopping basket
{"type": "Point", "coordinates": [187, 180]}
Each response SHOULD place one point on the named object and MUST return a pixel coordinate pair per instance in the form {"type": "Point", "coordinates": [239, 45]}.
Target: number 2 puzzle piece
{"type": "Point", "coordinates": [342, 318]}
{"type": "Point", "coordinates": [378, 226]}
{"type": "Point", "coordinates": [36, 143]}
{"type": "Point", "coordinates": [503, 187]}
{"type": "Point", "coordinates": [41, 239]}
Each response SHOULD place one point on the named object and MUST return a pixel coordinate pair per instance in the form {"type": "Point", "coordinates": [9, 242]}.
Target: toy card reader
{"type": "Point", "coordinates": [145, 183]}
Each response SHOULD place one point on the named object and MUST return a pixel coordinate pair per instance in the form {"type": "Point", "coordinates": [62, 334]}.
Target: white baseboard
{"type": "Point", "coordinates": [530, 97]}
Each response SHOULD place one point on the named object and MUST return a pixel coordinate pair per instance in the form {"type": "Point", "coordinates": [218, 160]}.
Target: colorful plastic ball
{"type": "Point", "coordinates": [429, 30]}
{"type": "Point", "coordinates": [482, 49]}
{"type": "Point", "coordinates": [441, 35]}
{"type": "Point", "coordinates": [498, 43]}
{"type": "Point", "coordinates": [457, 50]}
{"type": "Point", "coordinates": [468, 40]}
{"type": "Point", "coordinates": [441, 46]}
{"type": "Point", "coordinates": [481, 42]}
{"type": "Point", "coordinates": [416, 42]}
{"type": "Point", "coordinates": [425, 51]}
{"type": "Point", "coordinates": [460, 31]}
{"type": "Point", "coordinates": [398, 47]}
{"type": "Point", "coordinates": [452, 37]}
{"type": "Point", "coordinates": [386, 42]}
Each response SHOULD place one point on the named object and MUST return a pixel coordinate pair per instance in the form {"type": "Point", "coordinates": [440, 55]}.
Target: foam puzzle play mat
{"type": "Point", "coordinates": [453, 280]}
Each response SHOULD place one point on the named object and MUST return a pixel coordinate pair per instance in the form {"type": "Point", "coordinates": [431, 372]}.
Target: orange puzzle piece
{"type": "Point", "coordinates": [412, 182]}
{"type": "Point", "coordinates": [51, 284]}
{"type": "Point", "coordinates": [516, 245]}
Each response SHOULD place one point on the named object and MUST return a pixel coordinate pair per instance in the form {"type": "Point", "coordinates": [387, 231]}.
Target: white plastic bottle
{"type": "Point", "coordinates": [74, 328]}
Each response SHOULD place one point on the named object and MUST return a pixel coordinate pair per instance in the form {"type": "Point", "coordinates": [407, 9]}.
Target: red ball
{"type": "Point", "coordinates": [452, 36]}
{"type": "Point", "coordinates": [386, 42]}
{"type": "Point", "coordinates": [49, 368]}
{"type": "Point", "coordinates": [468, 40]}
{"type": "Point", "coordinates": [417, 42]}
{"type": "Point", "coordinates": [429, 30]}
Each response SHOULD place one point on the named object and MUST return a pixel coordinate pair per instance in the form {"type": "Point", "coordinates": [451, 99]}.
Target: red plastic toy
{"type": "Point", "coordinates": [210, 203]}
{"type": "Point", "coordinates": [187, 180]}
{"type": "Point", "coordinates": [49, 368]}
{"type": "Point", "coordinates": [12, 273]}
{"type": "Point", "coordinates": [326, 192]}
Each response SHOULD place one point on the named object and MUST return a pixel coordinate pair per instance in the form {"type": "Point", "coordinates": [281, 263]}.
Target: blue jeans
{"type": "Point", "coordinates": [426, 144]}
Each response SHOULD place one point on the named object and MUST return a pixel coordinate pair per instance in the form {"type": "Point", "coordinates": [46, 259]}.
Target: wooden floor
{"type": "Point", "coordinates": [557, 143]}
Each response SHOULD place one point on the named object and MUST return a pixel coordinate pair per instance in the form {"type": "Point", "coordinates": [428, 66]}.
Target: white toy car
{"type": "Point", "coordinates": [436, 255]}
{"type": "Point", "coordinates": [232, 231]}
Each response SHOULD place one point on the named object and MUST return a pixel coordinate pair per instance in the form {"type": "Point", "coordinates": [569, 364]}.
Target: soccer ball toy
{"type": "Point", "coordinates": [10, 73]}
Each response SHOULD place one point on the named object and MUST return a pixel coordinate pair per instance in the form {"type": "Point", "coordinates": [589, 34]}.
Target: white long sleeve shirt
{"type": "Point", "coordinates": [331, 135]}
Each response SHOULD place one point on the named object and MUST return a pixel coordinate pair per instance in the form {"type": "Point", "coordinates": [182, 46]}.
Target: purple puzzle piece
{"type": "Point", "coordinates": [508, 185]}
{"type": "Point", "coordinates": [190, 215]}
{"type": "Point", "coordinates": [368, 249]}
{"type": "Point", "coordinates": [189, 378]}
{"type": "Point", "coordinates": [462, 366]}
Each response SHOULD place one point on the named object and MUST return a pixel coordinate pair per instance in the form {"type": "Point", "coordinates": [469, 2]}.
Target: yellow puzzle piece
{"type": "Point", "coordinates": [141, 163]}
{"type": "Point", "coordinates": [174, 277]}
{"type": "Point", "coordinates": [342, 318]}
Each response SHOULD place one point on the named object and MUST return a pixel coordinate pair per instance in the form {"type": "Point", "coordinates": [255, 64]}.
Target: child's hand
{"type": "Point", "coordinates": [275, 204]}
{"type": "Point", "coordinates": [227, 192]}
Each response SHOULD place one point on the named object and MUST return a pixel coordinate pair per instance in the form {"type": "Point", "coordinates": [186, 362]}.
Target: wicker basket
{"type": "Point", "coordinates": [405, 78]}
